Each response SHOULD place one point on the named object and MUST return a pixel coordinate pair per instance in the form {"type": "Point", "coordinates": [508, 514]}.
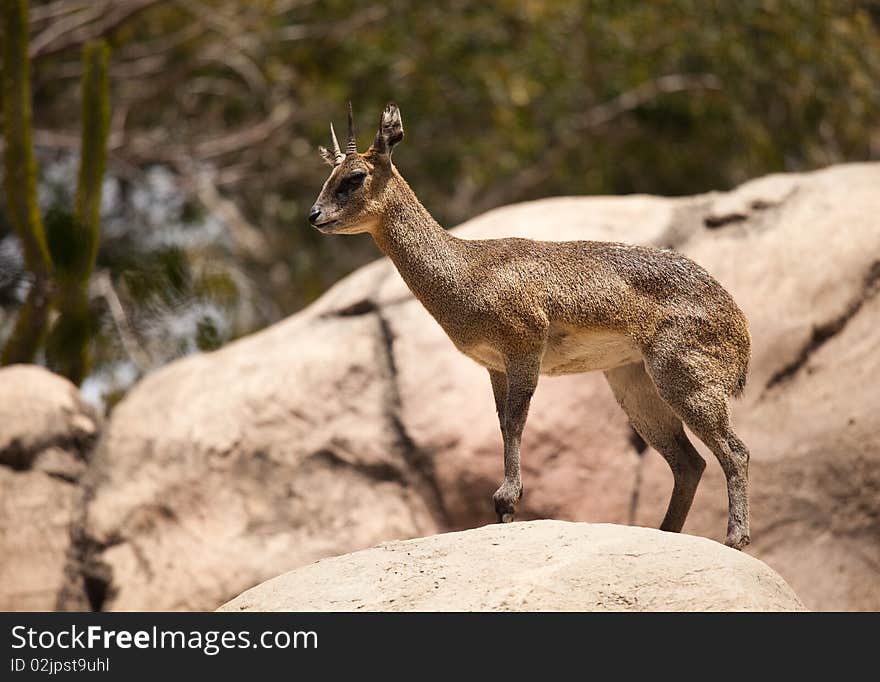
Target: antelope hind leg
{"type": "Point", "coordinates": [661, 428]}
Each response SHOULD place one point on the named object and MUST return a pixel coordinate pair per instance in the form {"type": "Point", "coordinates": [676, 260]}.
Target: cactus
{"type": "Point", "coordinates": [60, 257]}
{"type": "Point", "coordinates": [73, 239]}
{"type": "Point", "coordinates": [20, 184]}
{"type": "Point", "coordinates": [93, 155]}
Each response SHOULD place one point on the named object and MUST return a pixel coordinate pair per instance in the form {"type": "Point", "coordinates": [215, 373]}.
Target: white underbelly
{"type": "Point", "coordinates": [487, 356]}
{"type": "Point", "coordinates": [572, 350]}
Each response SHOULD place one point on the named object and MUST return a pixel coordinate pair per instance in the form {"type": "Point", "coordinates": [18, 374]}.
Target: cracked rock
{"type": "Point", "coordinates": [223, 469]}
{"type": "Point", "coordinates": [46, 432]}
{"type": "Point", "coordinates": [770, 191]}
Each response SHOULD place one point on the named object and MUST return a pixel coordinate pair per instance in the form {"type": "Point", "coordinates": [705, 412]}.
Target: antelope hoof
{"type": "Point", "coordinates": [737, 539]}
{"type": "Point", "coordinates": [505, 499]}
{"type": "Point", "coordinates": [505, 512]}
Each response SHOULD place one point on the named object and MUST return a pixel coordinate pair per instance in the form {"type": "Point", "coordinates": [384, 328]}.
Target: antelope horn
{"type": "Point", "coordinates": [337, 153]}
{"type": "Point", "coordinates": [352, 143]}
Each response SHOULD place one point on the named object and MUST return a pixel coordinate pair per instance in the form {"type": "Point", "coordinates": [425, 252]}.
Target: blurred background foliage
{"type": "Point", "coordinates": [218, 106]}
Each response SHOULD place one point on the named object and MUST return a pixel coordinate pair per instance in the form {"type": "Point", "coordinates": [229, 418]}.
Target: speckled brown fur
{"type": "Point", "coordinates": [672, 343]}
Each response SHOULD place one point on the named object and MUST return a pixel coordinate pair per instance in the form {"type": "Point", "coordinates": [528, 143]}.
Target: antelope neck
{"type": "Point", "coordinates": [428, 258]}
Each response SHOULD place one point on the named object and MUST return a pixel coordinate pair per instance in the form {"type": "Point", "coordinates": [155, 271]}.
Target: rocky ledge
{"type": "Point", "coordinates": [531, 566]}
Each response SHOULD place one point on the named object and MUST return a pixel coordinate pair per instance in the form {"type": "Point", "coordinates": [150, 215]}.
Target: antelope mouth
{"type": "Point", "coordinates": [328, 223]}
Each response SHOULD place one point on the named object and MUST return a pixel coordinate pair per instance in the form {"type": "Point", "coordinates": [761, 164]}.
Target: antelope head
{"type": "Point", "coordinates": [353, 198]}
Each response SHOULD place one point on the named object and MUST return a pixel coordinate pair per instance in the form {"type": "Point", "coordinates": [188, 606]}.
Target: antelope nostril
{"type": "Point", "coordinates": [314, 214]}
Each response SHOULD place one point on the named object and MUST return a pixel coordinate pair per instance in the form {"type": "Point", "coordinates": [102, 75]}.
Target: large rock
{"type": "Point", "coordinates": [45, 432]}
{"type": "Point", "coordinates": [533, 566]}
{"type": "Point", "coordinates": [357, 421]}
{"type": "Point", "coordinates": [222, 469]}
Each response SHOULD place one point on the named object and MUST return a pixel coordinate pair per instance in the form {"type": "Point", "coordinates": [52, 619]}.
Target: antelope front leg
{"type": "Point", "coordinates": [499, 390]}
{"type": "Point", "coordinates": [518, 386]}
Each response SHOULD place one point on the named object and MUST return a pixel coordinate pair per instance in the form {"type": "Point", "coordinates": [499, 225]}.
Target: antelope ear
{"type": "Point", "coordinates": [390, 130]}
{"type": "Point", "coordinates": [328, 157]}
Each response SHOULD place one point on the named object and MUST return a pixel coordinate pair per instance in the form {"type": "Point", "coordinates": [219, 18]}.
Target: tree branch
{"type": "Point", "coordinates": [247, 238]}
{"type": "Point", "coordinates": [246, 137]}
{"type": "Point", "coordinates": [104, 286]}
{"type": "Point", "coordinates": [594, 117]}
{"type": "Point", "coordinates": [53, 10]}
{"type": "Point", "coordinates": [79, 28]}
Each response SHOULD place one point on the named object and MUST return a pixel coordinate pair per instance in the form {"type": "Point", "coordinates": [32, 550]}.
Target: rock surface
{"type": "Point", "coordinates": [45, 431]}
{"type": "Point", "coordinates": [275, 450]}
{"type": "Point", "coordinates": [532, 566]}
{"type": "Point", "coordinates": [356, 420]}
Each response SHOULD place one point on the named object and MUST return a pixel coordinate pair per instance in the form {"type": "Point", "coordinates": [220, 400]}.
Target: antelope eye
{"type": "Point", "coordinates": [352, 181]}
